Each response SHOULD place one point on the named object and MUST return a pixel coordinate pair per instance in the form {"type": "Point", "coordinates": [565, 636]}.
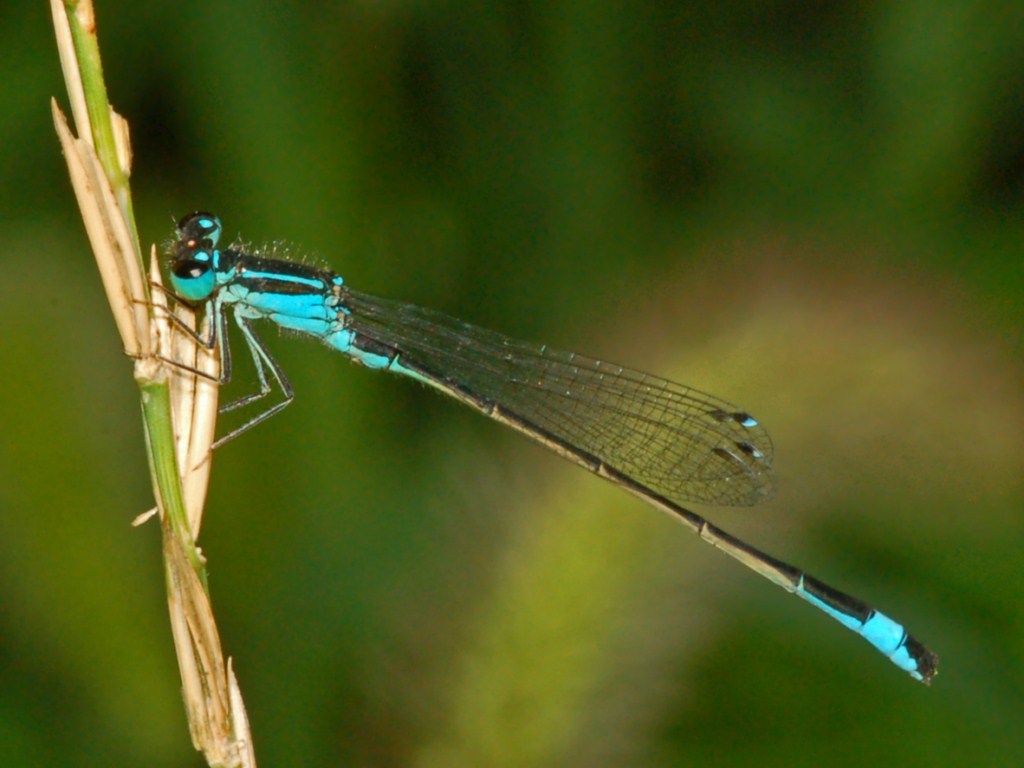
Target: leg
{"type": "Point", "coordinates": [264, 362]}
{"type": "Point", "coordinates": [218, 330]}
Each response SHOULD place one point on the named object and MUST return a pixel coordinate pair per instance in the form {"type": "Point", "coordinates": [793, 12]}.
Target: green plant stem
{"type": "Point", "coordinates": [87, 52]}
{"type": "Point", "coordinates": [163, 466]}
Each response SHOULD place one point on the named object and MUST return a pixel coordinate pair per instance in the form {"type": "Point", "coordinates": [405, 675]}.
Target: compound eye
{"type": "Point", "coordinates": [200, 226]}
{"type": "Point", "coordinates": [190, 269]}
{"type": "Point", "coordinates": [193, 275]}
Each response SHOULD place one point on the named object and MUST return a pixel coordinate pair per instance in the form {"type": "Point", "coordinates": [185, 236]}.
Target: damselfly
{"type": "Point", "coordinates": [666, 443]}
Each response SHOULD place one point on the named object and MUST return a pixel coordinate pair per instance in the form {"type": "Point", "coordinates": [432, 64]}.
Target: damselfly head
{"type": "Point", "coordinates": [193, 261]}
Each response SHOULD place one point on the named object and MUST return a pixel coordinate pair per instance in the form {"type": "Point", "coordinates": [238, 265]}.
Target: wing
{"type": "Point", "coordinates": [676, 441]}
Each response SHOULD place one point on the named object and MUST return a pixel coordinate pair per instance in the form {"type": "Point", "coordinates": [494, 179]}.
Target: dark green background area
{"type": "Point", "coordinates": [812, 209]}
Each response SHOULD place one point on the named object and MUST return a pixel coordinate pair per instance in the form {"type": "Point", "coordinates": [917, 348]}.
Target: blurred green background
{"type": "Point", "coordinates": [811, 209]}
